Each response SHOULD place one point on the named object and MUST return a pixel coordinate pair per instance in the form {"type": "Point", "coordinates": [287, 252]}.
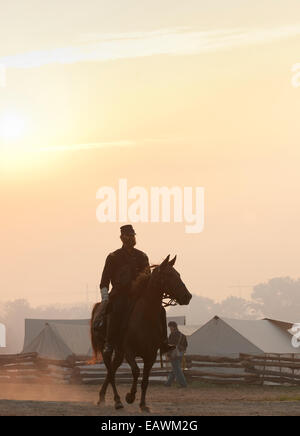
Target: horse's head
{"type": "Point", "coordinates": [169, 280]}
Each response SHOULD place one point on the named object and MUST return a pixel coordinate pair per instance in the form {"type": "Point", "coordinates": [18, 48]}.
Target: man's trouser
{"type": "Point", "coordinates": [176, 372]}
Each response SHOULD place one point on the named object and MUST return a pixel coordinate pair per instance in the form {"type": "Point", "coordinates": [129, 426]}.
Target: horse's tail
{"type": "Point", "coordinates": [97, 339]}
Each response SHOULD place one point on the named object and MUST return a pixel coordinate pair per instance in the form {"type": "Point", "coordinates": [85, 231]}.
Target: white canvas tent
{"type": "Point", "coordinates": [218, 337]}
{"type": "Point", "coordinates": [57, 339]}
{"type": "Point", "coordinates": [2, 336]}
{"type": "Point", "coordinates": [227, 337]}
{"type": "Point", "coordinates": [33, 326]}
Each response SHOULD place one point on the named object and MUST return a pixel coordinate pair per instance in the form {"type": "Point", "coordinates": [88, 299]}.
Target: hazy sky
{"type": "Point", "coordinates": [172, 93]}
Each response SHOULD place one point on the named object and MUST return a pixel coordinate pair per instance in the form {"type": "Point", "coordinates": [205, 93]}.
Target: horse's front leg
{"type": "Point", "coordinates": [117, 361]}
{"type": "Point", "coordinates": [107, 360]}
{"type": "Point", "coordinates": [147, 368]}
{"type": "Point", "coordinates": [130, 397]}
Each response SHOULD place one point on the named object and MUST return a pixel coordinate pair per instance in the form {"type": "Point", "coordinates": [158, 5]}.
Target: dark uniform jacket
{"type": "Point", "coordinates": [122, 268]}
{"type": "Point", "coordinates": [179, 339]}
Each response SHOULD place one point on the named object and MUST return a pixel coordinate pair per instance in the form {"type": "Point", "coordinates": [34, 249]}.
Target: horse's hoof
{"type": "Point", "coordinates": [118, 405]}
{"type": "Point", "coordinates": [101, 401]}
{"type": "Point", "coordinates": [130, 398]}
{"type": "Point", "coordinates": [145, 409]}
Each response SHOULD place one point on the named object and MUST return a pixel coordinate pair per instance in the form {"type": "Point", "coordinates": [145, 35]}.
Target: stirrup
{"type": "Point", "coordinates": [108, 349]}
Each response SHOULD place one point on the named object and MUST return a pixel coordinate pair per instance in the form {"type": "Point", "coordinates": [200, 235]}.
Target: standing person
{"type": "Point", "coordinates": [121, 268]}
{"type": "Point", "coordinates": [176, 356]}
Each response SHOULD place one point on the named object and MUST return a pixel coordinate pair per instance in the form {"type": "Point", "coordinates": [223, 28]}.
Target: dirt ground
{"type": "Point", "coordinates": [196, 400]}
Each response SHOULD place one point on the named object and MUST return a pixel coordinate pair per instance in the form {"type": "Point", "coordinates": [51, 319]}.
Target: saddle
{"type": "Point", "coordinates": [100, 319]}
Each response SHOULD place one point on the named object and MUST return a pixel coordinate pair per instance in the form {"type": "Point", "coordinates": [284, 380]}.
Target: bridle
{"type": "Point", "coordinates": [167, 301]}
{"type": "Point", "coordinates": [170, 302]}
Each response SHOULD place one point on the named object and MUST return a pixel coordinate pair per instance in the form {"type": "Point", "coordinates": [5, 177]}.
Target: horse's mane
{"type": "Point", "coordinates": [141, 282]}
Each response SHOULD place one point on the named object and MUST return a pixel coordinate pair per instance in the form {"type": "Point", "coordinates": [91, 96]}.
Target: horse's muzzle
{"type": "Point", "coordinates": [186, 298]}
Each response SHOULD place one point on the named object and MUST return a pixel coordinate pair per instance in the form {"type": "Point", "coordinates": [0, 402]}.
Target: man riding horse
{"type": "Point", "coordinates": [121, 268]}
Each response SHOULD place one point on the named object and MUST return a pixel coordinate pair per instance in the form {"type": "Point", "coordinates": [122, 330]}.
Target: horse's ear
{"type": "Point", "coordinates": [172, 262]}
{"type": "Point", "coordinates": [165, 262]}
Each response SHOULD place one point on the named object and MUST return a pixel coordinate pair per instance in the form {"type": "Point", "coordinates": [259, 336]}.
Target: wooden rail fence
{"type": "Point", "coordinates": [244, 369]}
{"type": "Point", "coordinates": [31, 368]}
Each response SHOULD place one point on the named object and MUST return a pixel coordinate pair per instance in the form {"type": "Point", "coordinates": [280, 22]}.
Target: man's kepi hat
{"type": "Point", "coordinates": [127, 230]}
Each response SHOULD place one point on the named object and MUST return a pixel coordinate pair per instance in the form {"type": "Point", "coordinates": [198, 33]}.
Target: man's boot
{"type": "Point", "coordinates": [108, 346]}
{"type": "Point", "coordinates": [113, 324]}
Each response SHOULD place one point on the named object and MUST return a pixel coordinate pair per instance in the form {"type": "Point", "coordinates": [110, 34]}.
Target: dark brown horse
{"type": "Point", "coordinates": [143, 335]}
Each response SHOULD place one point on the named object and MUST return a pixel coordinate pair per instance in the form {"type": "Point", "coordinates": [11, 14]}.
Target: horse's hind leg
{"type": "Point", "coordinates": [103, 390]}
{"type": "Point", "coordinates": [130, 397]}
{"type": "Point", "coordinates": [117, 361]}
{"type": "Point", "coordinates": [107, 359]}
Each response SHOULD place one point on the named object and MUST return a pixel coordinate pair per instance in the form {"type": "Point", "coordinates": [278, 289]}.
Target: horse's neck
{"type": "Point", "coordinates": [153, 299]}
